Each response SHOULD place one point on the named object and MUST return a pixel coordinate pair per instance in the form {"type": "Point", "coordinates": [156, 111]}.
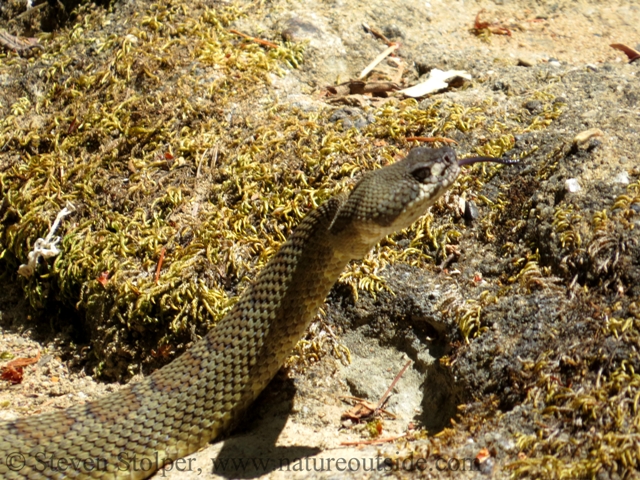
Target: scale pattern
{"type": "Point", "coordinates": [191, 401]}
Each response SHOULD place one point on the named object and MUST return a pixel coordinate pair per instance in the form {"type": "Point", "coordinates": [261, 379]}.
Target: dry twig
{"type": "Point", "coordinates": [393, 384]}
{"type": "Point", "coordinates": [378, 59]}
{"type": "Point", "coordinates": [377, 33]}
{"type": "Point", "coordinates": [266, 43]}
{"type": "Point", "coordinates": [162, 252]}
{"type": "Point", "coordinates": [22, 46]}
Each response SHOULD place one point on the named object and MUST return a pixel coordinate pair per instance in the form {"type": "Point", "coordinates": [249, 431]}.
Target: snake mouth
{"type": "Point", "coordinates": [472, 160]}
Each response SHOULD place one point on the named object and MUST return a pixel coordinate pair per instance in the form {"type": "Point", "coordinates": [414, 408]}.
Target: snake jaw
{"type": "Point", "coordinates": [393, 197]}
{"type": "Point", "coordinates": [427, 173]}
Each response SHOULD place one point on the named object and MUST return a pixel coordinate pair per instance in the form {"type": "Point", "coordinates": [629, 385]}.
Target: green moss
{"type": "Point", "coordinates": [605, 413]}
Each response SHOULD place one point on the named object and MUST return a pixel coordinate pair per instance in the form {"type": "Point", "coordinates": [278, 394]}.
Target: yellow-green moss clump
{"type": "Point", "coordinates": [592, 426]}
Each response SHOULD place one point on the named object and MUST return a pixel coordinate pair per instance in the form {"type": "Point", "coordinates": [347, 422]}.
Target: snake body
{"type": "Point", "coordinates": [201, 394]}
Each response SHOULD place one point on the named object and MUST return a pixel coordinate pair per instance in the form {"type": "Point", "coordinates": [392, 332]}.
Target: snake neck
{"type": "Point", "coordinates": [292, 287]}
{"type": "Point", "coordinates": [205, 391]}
{"type": "Point", "coordinates": [271, 316]}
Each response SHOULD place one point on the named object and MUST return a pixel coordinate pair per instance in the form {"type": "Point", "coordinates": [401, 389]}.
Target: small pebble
{"type": "Point", "coordinates": [486, 467]}
{"type": "Point", "coordinates": [572, 185]}
{"type": "Point", "coordinates": [393, 31]}
{"type": "Point", "coordinates": [534, 106]}
{"type": "Point", "coordinates": [508, 445]}
{"type": "Point", "coordinates": [470, 211]}
{"type": "Point", "coordinates": [582, 137]}
{"type": "Point", "coordinates": [526, 61]}
{"type": "Point", "coordinates": [500, 86]}
{"type": "Point", "coordinates": [298, 30]}
{"type": "Point", "coordinates": [622, 177]}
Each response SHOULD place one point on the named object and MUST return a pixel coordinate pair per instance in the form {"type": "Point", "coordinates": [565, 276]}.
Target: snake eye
{"type": "Point", "coordinates": [449, 158]}
{"type": "Point", "coordinates": [421, 173]}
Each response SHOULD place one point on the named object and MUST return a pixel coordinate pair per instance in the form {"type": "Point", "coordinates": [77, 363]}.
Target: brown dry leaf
{"type": "Point", "coordinates": [358, 87]}
{"type": "Point", "coordinates": [12, 375]}
{"type": "Point", "coordinates": [352, 87]}
{"type": "Point", "coordinates": [359, 411]}
{"type": "Point", "coordinates": [496, 29]}
{"type": "Point", "coordinates": [631, 53]}
{"type": "Point", "coordinates": [380, 87]}
{"type": "Point", "coordinates": [482, 455]}
{"type": "Point", "coordinates": [103, 279]}
{"type": "Point", "coordinates": [22, 361]}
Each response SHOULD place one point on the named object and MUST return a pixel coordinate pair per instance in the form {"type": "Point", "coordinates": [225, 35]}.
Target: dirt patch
{"type": "Point", "coordinates": [516, 297]}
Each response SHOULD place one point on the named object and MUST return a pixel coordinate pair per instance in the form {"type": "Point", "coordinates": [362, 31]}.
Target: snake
{"type": "Point", "coordinates": [204, 392]}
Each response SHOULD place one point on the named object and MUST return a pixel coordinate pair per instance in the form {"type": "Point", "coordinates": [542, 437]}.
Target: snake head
{"type": "Point", "coordinates": [393, 197]}
{"type": "Point", "coordinates": [413, 184]}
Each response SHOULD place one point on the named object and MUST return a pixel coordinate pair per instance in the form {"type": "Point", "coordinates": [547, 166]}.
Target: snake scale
{"type": "Point", "coordinates": [181, 407]}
